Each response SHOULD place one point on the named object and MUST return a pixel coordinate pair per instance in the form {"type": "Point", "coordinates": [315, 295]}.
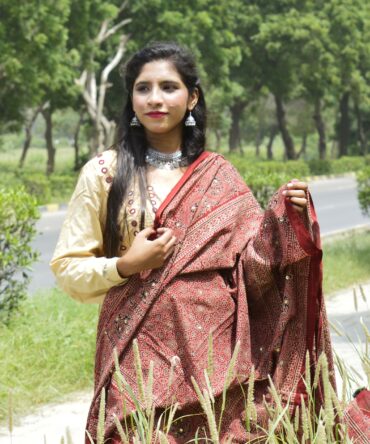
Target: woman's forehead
{"type": "Point", "coordinates": [158, 70]}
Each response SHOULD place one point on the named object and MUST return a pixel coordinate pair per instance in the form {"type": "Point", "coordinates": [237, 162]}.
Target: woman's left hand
{"type": "Point", "coordinates": [296, 192]}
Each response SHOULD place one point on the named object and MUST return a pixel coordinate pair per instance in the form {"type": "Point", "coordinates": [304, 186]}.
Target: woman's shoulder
{"type": "Point", "coordinates": [102, 167]}
{"type": "Point", "coordinates": [221, 161]}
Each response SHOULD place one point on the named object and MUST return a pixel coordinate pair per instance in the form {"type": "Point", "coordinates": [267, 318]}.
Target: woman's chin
{"type": "Point", "coordinates": [159, 129]}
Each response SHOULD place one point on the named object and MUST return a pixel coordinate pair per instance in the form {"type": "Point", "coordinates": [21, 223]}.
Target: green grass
{"type": "Point", "coordinates": [46, 352]}
{"type": "Point", "coordinates": [36, 160]}
{"type": "Point", "coordinates": [346, 262]}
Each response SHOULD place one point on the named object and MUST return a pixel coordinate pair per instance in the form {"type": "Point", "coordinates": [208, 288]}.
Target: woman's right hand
{"type": "Point", "coordinates": [145, 254]}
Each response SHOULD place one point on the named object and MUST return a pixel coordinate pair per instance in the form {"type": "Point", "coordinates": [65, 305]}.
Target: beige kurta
{"type": "Point", "coordinates": [79, 264]}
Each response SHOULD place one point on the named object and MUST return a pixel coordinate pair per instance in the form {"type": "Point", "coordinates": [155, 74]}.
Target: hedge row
{"type": "Point", "coordinates": [55, 188]}
{"type": "Point", "coordinates": [18, 215]}
{"type": "Point", "coordinates": [337, 166]}
{"type": "Point", "coordinates": [264, 177]}
{"type": "Point", "coordinates": [363, 186]}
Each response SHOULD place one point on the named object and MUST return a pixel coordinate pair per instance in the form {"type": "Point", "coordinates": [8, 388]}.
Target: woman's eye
{"type": "Point", "coordinates": [142, 88]}
{"type": "Point", "coordinates": [169, 87]}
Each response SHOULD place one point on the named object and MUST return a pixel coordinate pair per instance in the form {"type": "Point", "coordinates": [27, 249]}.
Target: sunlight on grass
{"type": "Point", "coordinates": [47, 351]}
{"type": "Point", "coordinates": [346, 262]}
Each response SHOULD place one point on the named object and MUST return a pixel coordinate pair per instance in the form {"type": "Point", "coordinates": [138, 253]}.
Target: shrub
{"type": "Point", "coordinates": [320, 166]}
{"type": "Point", "coordinates": [363, 186]}
{"type": "Point", "coordinates": [348, 164]}
{"type": "Point", "coordinates": [263, 186]}
{"type": "Point", "coordinates": [62, 186]}
{"type": "Point", "coordinates": [18, 214]}
{"type": "Point", "coordinates": [264, 178]}
{"type": "Point", "coordinates": [38, 186]}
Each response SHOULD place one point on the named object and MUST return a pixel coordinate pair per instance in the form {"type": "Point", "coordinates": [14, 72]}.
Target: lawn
{"type": "Point", "coordinates": [346, 262]}
{"type": "Point", "coordinates": [47, 351]}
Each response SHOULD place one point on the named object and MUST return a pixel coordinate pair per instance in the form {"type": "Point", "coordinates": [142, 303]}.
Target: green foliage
{"type": "Point", "coordinates": [347, 164]}
{"type": "Point", "coordinates": [346, 262]}
{"type": "Point", "coordinates": [264, 178]}
{"type": "Point", "coordinates": [38, 186]}
{"type": "Point", "coordinates": [61, 186]}
{"type": "Point", "coordinates": [263, 187]}
{"type": "Point", "coordinates": [363, 184]}
{"type": "Point", "coordinates": [47, 351]}
{"type": "Point", "coordinates": [18, 214]}
{"type": "Point", "coordinates": [320, 166]}
{"type": "Point", "coordinates": [35, 62]}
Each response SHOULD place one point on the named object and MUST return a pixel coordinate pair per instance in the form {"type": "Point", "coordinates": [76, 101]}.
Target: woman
{"type": "Point", "coordinates": [172, 242]}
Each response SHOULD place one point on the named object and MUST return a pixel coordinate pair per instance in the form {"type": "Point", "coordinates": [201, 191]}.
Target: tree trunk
{"type": "Point", "coordinates": [76, 143]}
{"type": "Point", "coordinates": [28, 136]}
{"type": "Point", "coordinates": [302, 151]}
{"type": "Point", "coordinates": [360, 130]}
{"type": "Point", "coordinates": [234, 133]}
{"type": "Point", "coordinates": [273, 134]}
{"type": "Point", "coordinates": [47, 114]}
{"type": "Point", "coordinates": [320, 127]}
{"type": "Point", "coordinates": [258, 141]}
{"type": "Point", "coordinates": [344, 125]}
{"type": "Point", "coordinates": [283, 128]}
{"type": "Point", "coordinates": [218, 135]}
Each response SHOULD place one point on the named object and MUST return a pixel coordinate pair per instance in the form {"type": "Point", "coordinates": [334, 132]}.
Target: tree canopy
{"type": "Point", "coordinates": [287, 55]}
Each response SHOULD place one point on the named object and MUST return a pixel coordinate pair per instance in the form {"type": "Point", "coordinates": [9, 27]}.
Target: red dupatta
{"type": "Point", "coordinates": [262, 272]}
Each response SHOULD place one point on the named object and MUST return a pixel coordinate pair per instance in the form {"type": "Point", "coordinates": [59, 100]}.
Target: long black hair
{"type": "Point", "coordinates": [131, 143]}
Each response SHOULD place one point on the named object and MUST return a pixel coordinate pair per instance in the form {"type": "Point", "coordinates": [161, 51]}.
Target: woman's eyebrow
{"type": "Point", "coordinates": [146, 82]}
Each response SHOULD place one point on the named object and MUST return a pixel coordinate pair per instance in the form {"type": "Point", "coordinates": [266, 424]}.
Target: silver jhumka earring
{"type": "Point", "coordinates": [135, 121]}
{"type": "Point", "coordinates": [190, 121]}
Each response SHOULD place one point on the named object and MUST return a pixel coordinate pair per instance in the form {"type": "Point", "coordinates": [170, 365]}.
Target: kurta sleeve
{"type": "Point", "coordinates": [78, 263]}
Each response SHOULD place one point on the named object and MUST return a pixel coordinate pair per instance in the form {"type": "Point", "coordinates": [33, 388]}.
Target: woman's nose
{"type": "Point", "coordinates": [155, 96]}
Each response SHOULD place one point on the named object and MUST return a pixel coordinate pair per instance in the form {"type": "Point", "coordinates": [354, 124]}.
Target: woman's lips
{"type": "Point", "coordinates": [156, 114]}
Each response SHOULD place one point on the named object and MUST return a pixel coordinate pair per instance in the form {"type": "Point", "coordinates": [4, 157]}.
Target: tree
{"type": "Point", "coordinates": [349, 24]}
{"type": "Point", "coordinates": [35, 65]}
{"type": "Point", "coordinates": [98, 64]}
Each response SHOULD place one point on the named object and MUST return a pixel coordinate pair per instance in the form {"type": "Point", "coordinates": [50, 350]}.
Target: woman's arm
{"type": "Point", "coordinates": [78, 263]}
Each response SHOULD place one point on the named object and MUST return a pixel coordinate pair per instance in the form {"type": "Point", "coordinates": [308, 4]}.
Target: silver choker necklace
{"type": "Point", "coordinates": [165, 161]}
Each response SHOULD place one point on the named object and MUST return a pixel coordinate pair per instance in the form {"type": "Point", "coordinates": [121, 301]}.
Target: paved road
{"type": "Point", "coordinates": [337, 205]}
{"type": "Point", "coordinates": [335, 202]}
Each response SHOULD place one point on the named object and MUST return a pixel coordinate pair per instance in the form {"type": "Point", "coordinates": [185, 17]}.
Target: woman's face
{"type": "Point", "coordinates": [160, 98]}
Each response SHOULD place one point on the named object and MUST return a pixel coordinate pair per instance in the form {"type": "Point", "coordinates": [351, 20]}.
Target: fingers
{"type": "Point", "coordinates": [300, 201]}
{"type": "Point", "coordinates": [165, 235]}
{"type": "Point", "coordinates": [170, 247]}
{"type": "Point", "coordinates": [296, 184]}
{"type": "Point", "coordinates": [146, 232]}
{"type": "Point", "coordinates": [294, 193]}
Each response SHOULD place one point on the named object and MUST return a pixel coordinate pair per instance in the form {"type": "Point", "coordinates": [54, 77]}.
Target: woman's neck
{"type": "Point", "coordinates": [165, 143]}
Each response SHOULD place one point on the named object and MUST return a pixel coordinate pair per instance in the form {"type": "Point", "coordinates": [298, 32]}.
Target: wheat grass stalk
{"type": "Point", "coordinates": [69, 436]}
{"type": "Point", "coordinates": [139, 372]}
{"type": "Point", "coordinates": [149, 386]}
{"type": "Point", "coordinates": [320, 434]}
{"type": "Point", "coordinates": [328, 403]}
{"type": "Point", "coordinates": [210, 363]}
{"type": "Point", "coordinates": [120, 430]}
{"type": "Point", "coordinates": [209, 386]}
{"type": "Point", "coordinates": [250, 411]}
{"type": "Point", "coordinates": [211, 418]}
{"type": "Point", "coordinates": [316, 378]}
{"type": "Point", "coordinates": [228, 379]}
{"type": "Point", "coordinates": [101, 418]}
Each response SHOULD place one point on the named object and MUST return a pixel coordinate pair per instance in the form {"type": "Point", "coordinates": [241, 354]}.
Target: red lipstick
{"type": "Point", "coordinates": [156, 114]}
